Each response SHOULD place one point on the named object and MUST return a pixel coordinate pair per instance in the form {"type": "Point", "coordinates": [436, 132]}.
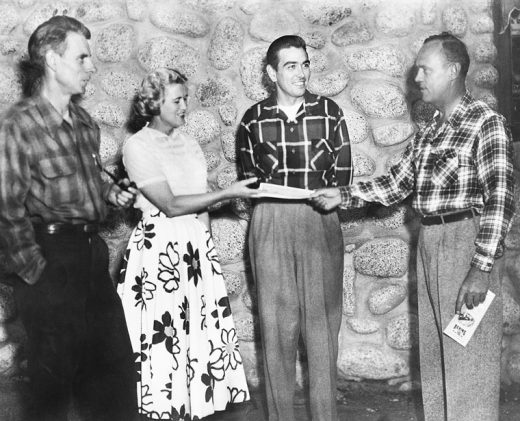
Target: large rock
{"type": "Point", "coordinates": [511, 312]}
{"type": "Point", "coordinates": [215, 90]}
{"type": "Point", "coordinates": [387, 59]}
{"type": "Point", "coordinates": [109, 113]}
{"type": "Point", "coordinates": [202, 125]}
{"type": "Point", "coordinates": [9, 18]}
{"type": "Point", "coordinates": [352, 32]}
{"type": "Point", "coordinates": [428, 11]}
{"type": "Point", "coordinates": [325, 12]}
{"type": "Point", "coordinates": [168, 52]}
{"type": "Point", "coordinates": [99, 11]}
{"type": "Point", "coordinates": [233, 282]}
{"type": "Point", "coordinates": [393, 217]}
{"type": "Point", "coordinates": [357, 126]}
{"type": "Point", "coordinates": [227, 176]}
{"type": "Point", "coordinates": [402, 332]}
{"type": "Point", "coordinates": [396, 21]}
{"type": "Point", "coordinates": [330, 84]}
{"type": "Point", "coordinates": [230, 239]}
{"type": "Point", "coordinates": [481, 23]}
{"type": "Point", "coordinates": [171, 18]}
{"type": "Point", "coordinates": [8, 358]}
{"type": "Point", "coordinates": [455, 20]}
{"type": "Point", "coordinates": [228, 113]}
{"type": "Point", "coordinates": [229, 144]}
{"type": "Point", "coordinates": [115, 43]}
{"type": "Point", "coordinates": [210, 7]}
{"type": "Point", "coordinates": [486, 76]}
{"type": "Point", "coordinates": [393, 133]}
{"type": "Point", "coordinates": [386, 298]}
{"type": "Point", "coordinates": [349, 297]}
{"type": "Point", "coordinates": [379, 99]}
{"type": "Point", "coordinates": [226, 43]}
{"type": "Point", "coordinates": [10, 86]}
{"type": "Point", "coordinates": [122, 84]}
{"type": "Point", "coordinates": [246, 328]}
{"type": "Point", "coordinates": [385, 257]}
{"type": "Point", "coordinates": [44, 12]}
{"type": "Point", "coordinates": [109, 148]}
{"type": "Point", "coordinates": [422, 112]}
{"type": "Point", "coordinates": [485, 51]}
{"type": "Point", "coordinates": [7, 303]}
{"type": "Point", "coordinates": [370, 361]}
{"type": "Point", "coordinates": [319, 60]}
{"type": "Point", "coordinates": [272, 23]}
{"type": "Point", "coordinates": [252, 74]}
{"type": "Point", "coordinates": [212, 160]}
{"type": "Point", "coordinates": [363, 326]}
{"type": "Point", "coordinates": [136, 9]}
{"type": "Point", "coordinates": [364, 166]}
{"type": "Point", "coordinates": [314, 39]}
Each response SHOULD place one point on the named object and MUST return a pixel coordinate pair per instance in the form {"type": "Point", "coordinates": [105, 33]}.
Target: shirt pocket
{"type": "Point", "coordinates": [60, 181]}
{"type": "Point", "coordinates": [445, 168]}
{"type": "Point", "coordinates": [321, 155]}
{"type": "Point", "coordinates": [266, 157]}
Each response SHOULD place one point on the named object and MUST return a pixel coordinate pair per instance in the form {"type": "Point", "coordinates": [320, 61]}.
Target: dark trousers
{"type": "Point", "coordinates": [78, 348]}
{"type": "Point", "coordinates": [297, 260]}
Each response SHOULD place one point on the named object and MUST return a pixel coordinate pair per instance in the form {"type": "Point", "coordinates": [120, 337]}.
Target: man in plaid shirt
{"type": "Point", "coordinates": [296, 139]}
{"type": "Point", "coordinates": [52, 200]}
{"type": "Point", "coordinates": [459, 172]}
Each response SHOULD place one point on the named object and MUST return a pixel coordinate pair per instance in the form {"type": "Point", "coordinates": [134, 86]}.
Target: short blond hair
{"type": "Point", "coordinates": [151, 92]}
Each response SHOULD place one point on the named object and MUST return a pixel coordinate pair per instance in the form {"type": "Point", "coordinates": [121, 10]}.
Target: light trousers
{"type": "Point", "coordinates": [297, 261]}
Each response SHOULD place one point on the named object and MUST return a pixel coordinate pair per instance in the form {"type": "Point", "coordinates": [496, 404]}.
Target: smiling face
{"type": "Point", "coordinates": [74, 67]}
{"type": "Point", "coordinates": [173, 107]}
{"type": "Point", "coordinates": [291, 75]}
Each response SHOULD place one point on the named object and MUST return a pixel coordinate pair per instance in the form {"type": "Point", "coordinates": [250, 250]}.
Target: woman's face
{"type": "Point", "coordinates": [173, 108]}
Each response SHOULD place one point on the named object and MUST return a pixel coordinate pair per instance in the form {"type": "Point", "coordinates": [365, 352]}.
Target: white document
{"type": "Point", "coordinates": [283, 192]}
{"type": "Point", "coordinates": [462, 327]}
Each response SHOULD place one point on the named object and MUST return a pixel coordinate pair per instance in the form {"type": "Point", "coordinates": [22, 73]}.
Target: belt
{"type": "Point", "coordinates": [448, 217]}
{"type": "Point", "coordinates": [63, 228]}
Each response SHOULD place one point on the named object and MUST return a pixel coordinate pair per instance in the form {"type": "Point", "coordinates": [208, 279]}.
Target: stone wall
{"type": "Point", "coordinates": [361, 53]}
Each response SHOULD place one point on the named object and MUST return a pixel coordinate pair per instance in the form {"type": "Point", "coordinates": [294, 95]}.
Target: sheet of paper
{"type": "Point", "coordinates": [283, 192]}
{"type": "Point", "coordinates": [462, 327]}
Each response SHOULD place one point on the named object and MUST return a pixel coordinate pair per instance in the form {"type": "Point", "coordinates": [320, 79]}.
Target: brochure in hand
{"type": "Point", "coordinates": [462, 327]}
{"type": "Point", "coordinates": [283, 192]}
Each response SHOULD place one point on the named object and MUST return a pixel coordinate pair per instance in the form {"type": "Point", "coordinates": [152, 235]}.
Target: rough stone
{"type": "Point", "coordinates": [215, 90]}
{"type": "Point", "coordinates": [364, 166]}
{"type": "Point", "coordinates": [387, 59]}
{"type": "Point", "coordinates": [325, 12]}
{"type": "Point", "coordinates": [109, 148]}
{"type": "Point", "coordinates": [428, 11]}
{"type": "Point", "coordinates": [392, 217]}
{"type": "Point", "coordinates": [10, 47]}
{"type": "Point", "coordinates": [481, 24]}
{"type": "Point", "coordinates": [9, 18]}
{"type": "Point", "coordinates": [250, 7]}
{"type": "Point", "coordinates": [246, 328]}
{"type": "Point", "coordinates": [137, 9]}
{"type": "Point", "coordinates": [392, 160]}
{"type": "Point", "coordinates": [10, 86]}
{"type": "Point", "coordinates": [43, 13]}
{"type": "Point", "coordinates": [370, 361]}
{"type": "Point", "coordinates": [379, 99]}
{"type": "Point", "coordinates": [330, 84]}
{"type": "Point", "coordinates": [4, 334]}
{"type": "Point", "coordinates": [227, 176]}
{"type": "Point", "coordinates": [252, 74]}
{"type": "Point", "coordinates": [212, 160]}
{"type": "Point", "coordinates": [210, 6]}
{"type": "Point", "coordinates": [357, 126]}
{"type": "Point", "coordinates": [242, 208]}
{"type": "Point", "coordinates": [229, 237]}
{"type": "Point", "coordinates": [24, 4]}
{"type": "Point", "coordinates": [385, 257]}
{"type": "Point", "coordinates": [233, 281]}
{"type": "Point", "coordinates": [485, 51]}
{"type": "Point", "coordinates": [478, 6]}
{"type": "Point", "coordinates": [352, 32]}
{"type": "Point", "coordinates": [8, 358]}
{"type": "Point", "coordinates": [402, 332]}
{"type": "Point", "coordinates": [169, 52]}
{"type": "Point", "coordinates": [120, 84]}
{"type": "Point", "coordinates": [455, 20]}
{"type": "Point", "coordinates": [7, 303]}
{"type": "Point", "coordinates": [226, 43]}
{"type": "Point", "coordinates": [362, 326]}
{"type": "Point", "coordinates": [349, 295]}
{"type": "Point", "coordinates": [416, 45]}
{"type": "Point", "coordinates": [228, 113]}
{"type": "Point", "coordinates": [351, 218]}
{"type": "Point", "coordinates": [109, 113]}
{"type": "Point", "coordinates": [395, 21]}
{"type": "Point", "coordinates": [513, 367]}
{"type": "Point", "coordinates": [392, 134]}
{"type": "Point", "coordinates": [115, 43]}
{"type": "Point", "coordinates": [271, 23]}
{"type": "Point", "coordinates": [486, 76]}
{"type": "Point", "coordinates": [511, 312]}
{"type": "Point", "coordinates": [319, 61]}
{"type": "Point", "coordinates": [386, 298]}
{"type": "Point", "coordinates": [249, 298]}
{"type": "Point", "coordinates": [202, 125]}
{"type": "Point", "coordinates": [488, 98]}
{"type": "Point", "coordinates": [314, 39]}
{"type": "Point", "coordinates": [176, 20]}
{"type": "Point", "coordinates": [229, 145]}
{"type": "Point", "coordinates": [422, 112]}
{"type": "Point", "coordinates": [99, 11]}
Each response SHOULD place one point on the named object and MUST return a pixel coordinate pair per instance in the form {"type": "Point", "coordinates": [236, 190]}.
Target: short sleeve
{"type": "Point", "coordinates": [141, 163]}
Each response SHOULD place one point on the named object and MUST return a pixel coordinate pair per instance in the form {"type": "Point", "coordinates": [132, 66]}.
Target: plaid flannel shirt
{"type": "Point", "coordinates": [465, 162]}
{"type": "Point", "coordinates": [309, 153]}
{"type": "Point", "coordinates": [47, 174]}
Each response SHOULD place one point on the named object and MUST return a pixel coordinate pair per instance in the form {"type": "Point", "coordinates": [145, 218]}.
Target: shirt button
{"type": "Point", "coordinates": [293, 150]}
{"type": "Point", "coordinates": [292, 129]}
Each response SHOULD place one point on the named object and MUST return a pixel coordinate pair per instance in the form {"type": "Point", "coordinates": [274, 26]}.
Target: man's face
{"type": "Point", "coordinates": [74, 67]}
{"type": "Point", "coordinates": [173, 108]}
{"type": "Point", "coordinates": [292, 74]}
{"type": "Point", "coordinates": [435, 75]}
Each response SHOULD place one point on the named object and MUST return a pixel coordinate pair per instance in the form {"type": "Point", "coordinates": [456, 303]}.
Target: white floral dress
{"type": "Point", "coordinates": [187, 357]}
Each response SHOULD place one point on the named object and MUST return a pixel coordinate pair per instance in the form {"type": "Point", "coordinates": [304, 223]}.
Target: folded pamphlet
{"type": "Point", "coordinates": [283, 192]}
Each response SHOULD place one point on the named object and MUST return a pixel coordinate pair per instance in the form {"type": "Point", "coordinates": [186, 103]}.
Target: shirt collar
{"type": "Point", "coordinates": [51, 118]}
{"type": "Point", "coordinates": [457, 115]}
{"type": "Point", "coordinates": [270, 108]}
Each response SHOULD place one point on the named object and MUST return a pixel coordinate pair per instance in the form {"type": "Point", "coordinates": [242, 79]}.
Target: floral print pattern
{"type": "Point", "coordinates": [168, 272]}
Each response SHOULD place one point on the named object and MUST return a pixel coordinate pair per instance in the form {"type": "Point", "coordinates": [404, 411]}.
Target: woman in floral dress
{"type": "Point", "coordinates": [185, 344]}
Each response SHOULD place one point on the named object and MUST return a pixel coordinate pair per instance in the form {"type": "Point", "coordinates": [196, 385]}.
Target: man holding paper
{"type": "Point", "coordinates": [296, 140]}
{"type": "Point", "coordinates": [459, 172]}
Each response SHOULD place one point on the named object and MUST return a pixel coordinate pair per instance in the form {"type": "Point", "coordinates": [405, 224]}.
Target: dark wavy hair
{"type": "Point", "coordinates": [285, 41]}
{"type": "Point", "coordinates": [151, 94]}
{"type": "Point", "coordinates": [50, 35]}
{"type": "Point", "coordinates": [454, 50]}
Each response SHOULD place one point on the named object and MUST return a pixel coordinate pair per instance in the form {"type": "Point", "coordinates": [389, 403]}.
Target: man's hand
{"type": "Point", "coordinates": [473, 290]}
{"type": "Point", "coordinates": [326, 199]}
{"type": "Point", "coordinates": [120, 197]}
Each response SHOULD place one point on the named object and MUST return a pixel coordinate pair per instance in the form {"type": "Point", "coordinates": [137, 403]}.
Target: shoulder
{"type": "Point", "coordinates": [83, 115]}
{"type": "Point", "coordinates": [255, 111]}
{"type": "Point", "coordinates": [323, 105]}
{"type": "Point", "coordinates": [139, 141]}
{"type": "Point", "coordinates": [17, 113]}
{"type": "Point", "coordinates": [480, 113]}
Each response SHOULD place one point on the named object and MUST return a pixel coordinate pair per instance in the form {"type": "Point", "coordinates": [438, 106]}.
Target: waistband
{"type": "Point", "coordinates": [64, 228]}
{"type": "Point", "coordinates": [449, 217]}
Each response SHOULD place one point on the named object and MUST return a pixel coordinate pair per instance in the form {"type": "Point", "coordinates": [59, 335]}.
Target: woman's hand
{"type": "Point", "coordinates": [241, 189]}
